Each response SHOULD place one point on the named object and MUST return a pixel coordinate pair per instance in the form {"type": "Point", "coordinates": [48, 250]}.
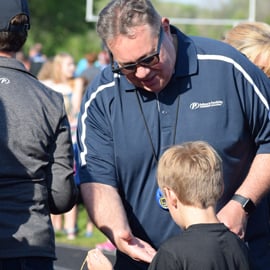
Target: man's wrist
{"type": "Point", "coordinates": [246, 203]}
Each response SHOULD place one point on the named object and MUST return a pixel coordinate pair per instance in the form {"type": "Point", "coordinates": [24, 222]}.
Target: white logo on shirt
{"type": "Point", "coordinates": [4, 81]}
{"type": "Point", "coordinates": [203, 105]}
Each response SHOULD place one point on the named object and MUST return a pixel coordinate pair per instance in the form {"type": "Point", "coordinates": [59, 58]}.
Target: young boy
{"type": "Point", "coordinates": [190, 177]}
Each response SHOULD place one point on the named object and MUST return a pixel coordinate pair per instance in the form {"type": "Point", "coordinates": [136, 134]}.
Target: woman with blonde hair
{"type": "Point", "coordinates": [253, 40]}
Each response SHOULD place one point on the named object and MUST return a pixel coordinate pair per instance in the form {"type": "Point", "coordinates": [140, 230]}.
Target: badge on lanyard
{"type": "Point", "coordinates": [161, 201]}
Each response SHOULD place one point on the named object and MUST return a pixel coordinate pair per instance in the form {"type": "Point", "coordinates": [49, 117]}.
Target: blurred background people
{"type": "Point", "coordinates": [36, 57]}
{"type": "Point", "coordinates": [45, 72]}
{"type": "Point", "coordinates": [89, 73]}
{"type": "Point", "coordinates": [20, 56]}
{"type": "Point", "coordinates": [103, 59]}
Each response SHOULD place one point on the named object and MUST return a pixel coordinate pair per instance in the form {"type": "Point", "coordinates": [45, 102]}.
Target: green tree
{"type": "Point", "coordinates": [61, 26]}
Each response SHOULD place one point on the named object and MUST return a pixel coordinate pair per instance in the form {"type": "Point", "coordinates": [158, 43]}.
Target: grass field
{"type": "Point", "coordinates": [81, 240]}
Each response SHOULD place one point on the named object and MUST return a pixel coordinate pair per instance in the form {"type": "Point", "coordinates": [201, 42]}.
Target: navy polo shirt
{"type": "Point", "coordinates": [216, 95]}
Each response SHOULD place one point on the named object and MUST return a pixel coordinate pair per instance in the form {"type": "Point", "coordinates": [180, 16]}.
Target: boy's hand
{"type": "Point", "coordinates": [96, 260]}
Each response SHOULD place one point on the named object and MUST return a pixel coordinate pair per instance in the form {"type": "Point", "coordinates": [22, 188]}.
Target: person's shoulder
{"type": "Point", "coordinates": [172, 242]}
{"type": "Point", "coordinates": [207, 50]}
{"type": "Point", "coordinates": [202, 44]}
{"type": "Point", "coordinates": [206, 45]}
{"type": "Point", "coordinates": [46, 88]}
{"type": "Point", "coordinates": [210, 49]}
{"type": "Point", "coordinates": [107, 86]}
{"type": "Point", "coordinates": [105, 80]}
{"type": "Point", "coordinates": [91, 69]}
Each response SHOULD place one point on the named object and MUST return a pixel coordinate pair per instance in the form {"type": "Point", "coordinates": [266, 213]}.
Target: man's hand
{"type": "Point", "coordinates": [135, 248]}
{"type": "Point", "coordinates": [234, 217]}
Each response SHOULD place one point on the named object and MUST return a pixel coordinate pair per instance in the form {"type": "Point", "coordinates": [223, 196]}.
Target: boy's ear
{"type": "Point", "coordinates": [170, 196]}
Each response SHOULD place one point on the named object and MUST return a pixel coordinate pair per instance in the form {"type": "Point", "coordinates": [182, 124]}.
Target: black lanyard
{"type": "Point", "coordinates": [147, 127]}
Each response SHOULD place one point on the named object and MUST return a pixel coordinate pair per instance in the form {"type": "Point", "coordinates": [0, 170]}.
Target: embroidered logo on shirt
{"type": "Point", "coordinates": [203, 105]}
{"type": "Point", "coordinates": [4, 81]}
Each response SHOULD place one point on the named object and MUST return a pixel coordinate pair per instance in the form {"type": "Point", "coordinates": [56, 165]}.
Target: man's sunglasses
{"type": "Point", "coordinates": [147, 61]}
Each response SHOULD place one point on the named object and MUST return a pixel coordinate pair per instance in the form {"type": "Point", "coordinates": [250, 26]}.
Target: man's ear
{"type": "Point", "coordinates": [165, 22]}
{"type": "Point", "coordinates": [170, 196]}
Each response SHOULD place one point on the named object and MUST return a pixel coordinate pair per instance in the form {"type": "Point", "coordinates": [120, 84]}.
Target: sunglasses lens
{"type": "Point", "coordinates": [146, 62]}
{"type": "Point", "coordinates": [128, 69]}
{"type": "Point", "coordinates": [149, 61]}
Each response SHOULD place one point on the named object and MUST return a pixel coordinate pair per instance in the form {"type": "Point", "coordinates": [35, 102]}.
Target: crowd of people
{"type": "Point", "coordinates": [163, 137]}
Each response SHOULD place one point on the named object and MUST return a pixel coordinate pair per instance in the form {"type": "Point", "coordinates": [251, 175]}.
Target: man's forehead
{"type": "Point", "coordinates": [127, 49]}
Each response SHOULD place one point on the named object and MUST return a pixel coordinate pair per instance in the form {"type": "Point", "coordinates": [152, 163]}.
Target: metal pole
{"type": "Point", "coordinates": [89, 11]}
{"type": "Point", "coordinates": [252, 10]}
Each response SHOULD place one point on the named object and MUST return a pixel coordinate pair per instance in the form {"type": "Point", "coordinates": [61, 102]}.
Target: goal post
{"type": "Point", "coordinates": [91, 17]}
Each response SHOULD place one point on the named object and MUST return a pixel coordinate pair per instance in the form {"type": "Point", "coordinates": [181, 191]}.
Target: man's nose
{"type": "Point", "coordinates": [141, 71]}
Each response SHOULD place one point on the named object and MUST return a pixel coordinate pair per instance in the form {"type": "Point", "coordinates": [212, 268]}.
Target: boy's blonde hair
{"type": "Point", "coordinates": [193, 170]}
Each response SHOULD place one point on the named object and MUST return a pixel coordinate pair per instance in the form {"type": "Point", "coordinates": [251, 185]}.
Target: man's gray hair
{"type": "Point", "coordinates": [120, 16]}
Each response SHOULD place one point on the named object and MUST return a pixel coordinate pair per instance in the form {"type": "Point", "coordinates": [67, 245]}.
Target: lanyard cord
{"type": "Point", "coordinates": [147, 128]}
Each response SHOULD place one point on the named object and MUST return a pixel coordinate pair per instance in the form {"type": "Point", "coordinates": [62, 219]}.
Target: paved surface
{"type": "Point", "coordinates": [71, 258]}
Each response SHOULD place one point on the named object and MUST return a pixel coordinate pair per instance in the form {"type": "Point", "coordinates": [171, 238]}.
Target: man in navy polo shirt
{"type": "Point", "coordinates": [165, 88]}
